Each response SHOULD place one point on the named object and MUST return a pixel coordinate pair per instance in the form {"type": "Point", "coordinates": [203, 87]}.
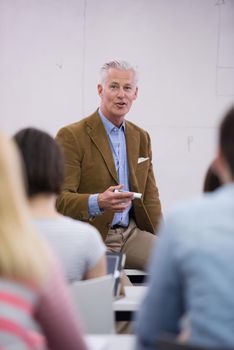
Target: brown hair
{"type": "Point", "coordinates": [43, 161]}
{"type": "Point", "coordinates": [226, 139]}
{"type": "Point", "coordinates": [212, 181]}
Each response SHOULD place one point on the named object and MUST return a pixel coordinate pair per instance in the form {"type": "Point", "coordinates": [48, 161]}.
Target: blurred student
{"type": "Point", "coordinates": [212, 181]}
{"type": "Point", "coordinates": [195, 264]}
{"type": "Point", "coordinates": [32, 289]}
{"type": "Point", "coordinates": [77, 244]}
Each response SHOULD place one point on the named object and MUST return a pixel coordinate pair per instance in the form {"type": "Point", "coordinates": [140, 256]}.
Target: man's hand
{"type": "Point", "coordinates": [115, 200]}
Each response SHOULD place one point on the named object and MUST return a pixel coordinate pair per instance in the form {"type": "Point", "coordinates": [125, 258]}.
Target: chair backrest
{"type": "Point", "coordinates": [93, 300]}
{"type": "Point", "coordinates": [169, 344]}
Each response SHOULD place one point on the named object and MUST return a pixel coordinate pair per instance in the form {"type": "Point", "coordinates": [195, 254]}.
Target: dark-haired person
{"type": "Point", "coordinates": [212, 181]}
{"type": "Point", "coordinates": [195, 253]}
{"type": "Point", "coordinates": [78, 245]}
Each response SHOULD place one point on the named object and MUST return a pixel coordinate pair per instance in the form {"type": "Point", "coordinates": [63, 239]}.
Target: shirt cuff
{"type": "Point", "coordinates": [94, 209]}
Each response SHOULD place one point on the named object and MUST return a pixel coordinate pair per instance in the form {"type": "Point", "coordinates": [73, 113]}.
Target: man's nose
{"type": "Point", "coordinates": [120, 92]}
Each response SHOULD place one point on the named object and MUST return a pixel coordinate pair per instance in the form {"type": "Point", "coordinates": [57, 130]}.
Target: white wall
{"type": "Point", "coordinates": [51, 52]}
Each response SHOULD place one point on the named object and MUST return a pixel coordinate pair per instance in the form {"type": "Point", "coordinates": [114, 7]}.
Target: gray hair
{"type": "Point", "coordinates": [117, 64]}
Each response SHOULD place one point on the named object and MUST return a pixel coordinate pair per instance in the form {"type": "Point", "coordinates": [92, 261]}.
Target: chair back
{"type": "Point", "coordinates": [93, 300]}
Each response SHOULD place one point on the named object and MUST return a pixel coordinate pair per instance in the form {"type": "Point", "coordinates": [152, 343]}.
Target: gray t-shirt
{"type": "Point", "coordinates": [77, 244]}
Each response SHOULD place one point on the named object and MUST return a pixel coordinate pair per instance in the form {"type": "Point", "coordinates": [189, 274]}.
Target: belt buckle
{"type": "Point", "coordinates": [114, 227]}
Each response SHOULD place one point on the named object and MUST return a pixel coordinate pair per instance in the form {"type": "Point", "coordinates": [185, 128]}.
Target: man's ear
{"type": "Point", "coordinates": [136, 93]}
{"type": "Point", "coordinates": [221, 168]}
{"type": "Point", "coordinates": [100, 89]}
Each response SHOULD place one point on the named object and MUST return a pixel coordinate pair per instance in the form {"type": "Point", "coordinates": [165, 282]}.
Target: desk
{"type": "Point", "coordinates": [110, 342]}
{"type": "Point", "coordinates": [126, 306]}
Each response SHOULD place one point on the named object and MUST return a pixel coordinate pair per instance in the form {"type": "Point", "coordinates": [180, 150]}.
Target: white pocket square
{"type": "Point", "coordinates": [142, 159]}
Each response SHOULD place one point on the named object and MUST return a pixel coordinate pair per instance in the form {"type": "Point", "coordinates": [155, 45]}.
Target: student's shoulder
{"type": "Point", "coordinates": [190, 213]}
{"type": "Point", "coordinates": [186, 206]}
{"type": "Point", "coordinates": [79, 228]}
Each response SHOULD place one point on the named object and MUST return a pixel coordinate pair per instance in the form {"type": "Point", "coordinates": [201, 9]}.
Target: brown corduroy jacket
{"type": "Point", "coordinates": [90, 168]}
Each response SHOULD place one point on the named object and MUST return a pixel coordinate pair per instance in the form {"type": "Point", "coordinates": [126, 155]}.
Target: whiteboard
{"type": "Point", "coordinates": [52, 50]}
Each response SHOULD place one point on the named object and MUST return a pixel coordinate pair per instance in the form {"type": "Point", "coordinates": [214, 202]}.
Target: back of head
{"type": "Point", "coordinates": [226, 139]}
{"type": "Point", "coordinates": [18, 257]}
{"type": "Point", "coordinates": [43, 161]}
{"type": "Point", "coordinates": [212, 181]}
{"type": "Point", "coordinates": [117, 64]}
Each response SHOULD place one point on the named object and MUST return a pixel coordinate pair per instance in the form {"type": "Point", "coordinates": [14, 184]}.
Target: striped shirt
{"type": "Point", "coordinates": [33, 319]}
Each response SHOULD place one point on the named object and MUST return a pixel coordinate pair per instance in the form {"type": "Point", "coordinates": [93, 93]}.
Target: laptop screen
{"type": "Point", "coordinates": [115, 264]}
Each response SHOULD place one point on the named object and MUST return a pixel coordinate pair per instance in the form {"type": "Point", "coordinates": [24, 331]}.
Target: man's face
{"type": "Point", "coordinates": [117, 94]}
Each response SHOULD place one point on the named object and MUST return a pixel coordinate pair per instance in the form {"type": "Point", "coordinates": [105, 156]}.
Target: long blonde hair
{"type": "Point", "coordinates": [23, 255]}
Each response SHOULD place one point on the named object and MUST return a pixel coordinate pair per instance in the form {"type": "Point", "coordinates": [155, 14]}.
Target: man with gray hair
{"type": "Point", "coordinates": [108, 160]}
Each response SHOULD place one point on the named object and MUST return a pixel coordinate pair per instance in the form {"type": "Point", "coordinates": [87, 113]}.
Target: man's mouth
{"type": "Point", "coordinates": [120, 104]}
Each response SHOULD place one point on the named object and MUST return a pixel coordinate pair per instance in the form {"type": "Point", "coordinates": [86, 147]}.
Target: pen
{"type": "Point", "coordinates": [135, 194]}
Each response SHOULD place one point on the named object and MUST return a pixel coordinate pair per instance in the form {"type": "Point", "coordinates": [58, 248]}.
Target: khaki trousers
{"type": "Point", "coordinates": [132, 241]}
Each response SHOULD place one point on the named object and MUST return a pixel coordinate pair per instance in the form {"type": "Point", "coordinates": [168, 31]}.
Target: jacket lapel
{"type": "Point", "coordinates": [97, 133]}
{"type": "Point", "coordinates": [133, 143]}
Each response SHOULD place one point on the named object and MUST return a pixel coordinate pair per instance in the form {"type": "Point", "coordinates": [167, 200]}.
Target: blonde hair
{"type": "Point", "coordinates": [23, 256]}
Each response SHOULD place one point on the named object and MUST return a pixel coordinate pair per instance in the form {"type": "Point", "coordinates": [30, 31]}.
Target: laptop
{"type": "Point", "coordinates": [115, 265]}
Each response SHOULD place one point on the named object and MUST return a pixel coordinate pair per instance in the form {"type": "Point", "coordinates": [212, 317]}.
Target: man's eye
{"type": "Point", "coordinates": [128, 88]}
{"type": "Point", "coordinates": [113, 87]}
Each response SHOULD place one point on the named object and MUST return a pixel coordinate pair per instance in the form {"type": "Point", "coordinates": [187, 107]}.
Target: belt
{"type": "Point", "coordinates": [114, 227]}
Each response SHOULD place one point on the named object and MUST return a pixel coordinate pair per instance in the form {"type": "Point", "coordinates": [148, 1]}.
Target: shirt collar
{"type": "Point", "coordinates": [107, 124]}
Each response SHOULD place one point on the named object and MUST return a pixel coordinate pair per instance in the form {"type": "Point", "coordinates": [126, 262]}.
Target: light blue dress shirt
{"type": "Point", "coordinates": [192, 274]}
{"type": "Point", "coordinates": [118, 147]}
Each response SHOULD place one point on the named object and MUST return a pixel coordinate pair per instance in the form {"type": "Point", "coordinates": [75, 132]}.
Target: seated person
{"type": "Point", "coordinates": [78, 245]}
{"type": "Point", "coordinates": [33, 292]}
{"type": "Point", "coordinates": [195, 259]}
{"type": "Point", "coordinates": [212, 181]}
